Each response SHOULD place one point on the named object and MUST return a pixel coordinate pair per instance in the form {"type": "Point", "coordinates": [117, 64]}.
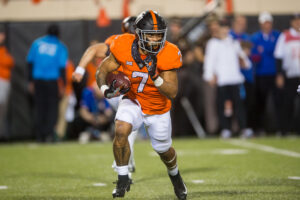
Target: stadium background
{"type": "Point", "coordinates": [25, 21]}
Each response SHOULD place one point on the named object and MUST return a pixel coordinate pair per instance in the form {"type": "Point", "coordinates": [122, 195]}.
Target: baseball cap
{"type": "Point", "coordinates": [265, 17]}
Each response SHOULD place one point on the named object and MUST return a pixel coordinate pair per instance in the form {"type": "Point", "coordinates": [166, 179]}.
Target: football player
{"type": "Point", "coordinates": [150, 62]}
{"type": "Point", "coordinates": [100, 51]}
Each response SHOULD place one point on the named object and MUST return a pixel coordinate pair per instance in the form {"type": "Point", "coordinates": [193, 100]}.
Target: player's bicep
{"type": "Point", "coordinates": [101, 50]}
{"type": "Point", "coordinates": [170, 76]}
{"type": "Point", "coordinates": [109, 64]}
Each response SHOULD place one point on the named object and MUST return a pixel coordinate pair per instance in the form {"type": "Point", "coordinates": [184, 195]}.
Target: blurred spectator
{"type": "Point", "coordinates": [174, 30]}
{"type": "Point", "coordinates": [67, 103]}
{"type": "Point", "coordinates": [6, 64]}
{"type": "Point", "coordinates": [175, 25]}
{"type": "Point", "coordinates": [222, 68]}
{"type": "Point", "coordinates": [89, 77]}
{"type": "Point", "coordinates": [46, 59]}
{"type": "Point", "coordinates": [238, 32]}
{"type": "Point", "coordinates": [287, 53]}
{"type": "Point", "coordinates": [91, 68]}
{"type": "Point", "coordinates": [96, 114]}
{"type": "Point", "coordinates": [264, 62]}
{"type": "Point", "coordinates": [209, 91]}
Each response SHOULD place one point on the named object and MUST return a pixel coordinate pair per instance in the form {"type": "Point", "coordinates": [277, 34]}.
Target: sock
{"type": "Point", "coordinates": [122, 170]}
{"type": "Point", "coordinates": [123, 178]}
{"type": "Point", "coordinates": [173, 172]}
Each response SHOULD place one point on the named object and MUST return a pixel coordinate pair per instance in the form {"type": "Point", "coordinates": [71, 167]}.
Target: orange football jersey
{"type": "Point", "coordinates": [109, 40]}
{"type": "Point", "coordinates": [142, 87]}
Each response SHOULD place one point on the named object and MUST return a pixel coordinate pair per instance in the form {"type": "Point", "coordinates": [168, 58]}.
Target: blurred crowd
{"type": "Point", "coordinates": [239, 84]}
{"type": "Point", "coordinates": [242, 84]}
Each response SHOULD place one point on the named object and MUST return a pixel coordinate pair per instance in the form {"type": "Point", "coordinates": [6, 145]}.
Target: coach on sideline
{"type": "Point", "coordinates": [46, 59]}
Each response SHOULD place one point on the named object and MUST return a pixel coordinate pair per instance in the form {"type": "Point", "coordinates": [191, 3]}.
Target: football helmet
{"type": "Point", "coordinates": [128, 24]}
{"type": "Point", "coordinates": [151, 30]}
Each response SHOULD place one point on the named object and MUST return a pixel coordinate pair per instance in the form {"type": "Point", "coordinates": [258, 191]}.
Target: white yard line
{"type": "Point", "coordinates": [99, 184]}
{"type": "Point", "coordinates": [294, 177]}
{"type": "Point", "coordinates": [205, 152]}
{"type": "Point", "coordinates": [3, 187]}
{"type": "Point", "coordinates": [197, 181]}
{"type": "Point", "coordinates": [265, 148]}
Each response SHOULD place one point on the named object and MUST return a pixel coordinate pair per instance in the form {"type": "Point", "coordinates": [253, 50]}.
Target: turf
{"type": "Point", "coordinates": [69, 170]}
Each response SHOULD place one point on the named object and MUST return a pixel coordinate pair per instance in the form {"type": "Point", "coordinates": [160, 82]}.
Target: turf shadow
{"type": "Point", "coordinates": [232, 193]}
{"type": "Point", "coordinates": [197, 169]}
{"type": "Point", "coordinates": [59, 198]}
{"type": "Point", "coordinates": [55, 175]}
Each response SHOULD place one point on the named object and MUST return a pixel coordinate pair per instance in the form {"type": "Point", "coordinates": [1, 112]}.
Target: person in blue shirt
{"type": "Point", "coordinates": [46, 60]}
{"type": "Point", "coordinates": [238, 32]}
{"type": "Point", "coordinates": [95, 111]}
{"type": "Point", "coordinates": [262, 55]}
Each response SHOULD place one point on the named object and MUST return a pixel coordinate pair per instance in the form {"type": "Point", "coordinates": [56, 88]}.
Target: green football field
{"type": "Point", "coordinates": [258, 169]}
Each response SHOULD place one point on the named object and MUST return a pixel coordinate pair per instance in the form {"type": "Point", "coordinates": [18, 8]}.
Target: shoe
{"type": "Point", "coordinates": [123, 185]}
{"type": "Point", "coordinates": [179, 186]}
{"type": "Point", "coordinates": [225, 134]}
{"type": "Point", "coordinates": [246, 133]}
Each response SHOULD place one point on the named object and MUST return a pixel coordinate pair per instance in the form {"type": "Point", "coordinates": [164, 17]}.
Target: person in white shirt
{"type": "Point", "coordinates": [222, 68]}
{"type": "Point", "coordinates": [287, 54]}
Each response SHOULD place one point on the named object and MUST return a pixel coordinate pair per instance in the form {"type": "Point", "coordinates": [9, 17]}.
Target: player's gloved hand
{"type": "Point", "coordinates": [298, 90]}
{"type": "Point", "coordinates": [112, 91]}
{"type": "Point", "coordinates": [151, 67]}
{"type": "Point", "coordinates": [124, 90]}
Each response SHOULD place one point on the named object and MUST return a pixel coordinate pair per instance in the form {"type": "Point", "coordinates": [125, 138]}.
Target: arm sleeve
{"type": "Point", "coordinates": [242, 54]}
{"type": "Point", "coordinates": [209, 61]}
{"type": "Point", "coordinates": [31, 53]}
{"type": "Point", "coordinates": [279, 48]}
{"type": "Point", "coordinates": [170, 59]}
{"type": "Point", "coordinates": [255, 55]}
{"type": "Point", "coordinates": [63, 56]}
{"type": "Point", "coordinates": [85, 98]}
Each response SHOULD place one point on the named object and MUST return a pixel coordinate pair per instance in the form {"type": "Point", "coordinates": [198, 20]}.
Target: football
{"type": "Point", "coordinates": [122, 80]}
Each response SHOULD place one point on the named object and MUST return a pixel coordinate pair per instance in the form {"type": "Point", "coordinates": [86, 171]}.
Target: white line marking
{"type": "Point", "coordinates": [197, 181]}
{"type": "Point", "coordinates": [205, 152]}
{"type": "Point", "coordinates": [231, 151]}
{"type": "Point", "coordinates": [3, 187]}
{"type": "Point", "coordinates": [264, 148]}
{"type": "Point", "coordinates": [99, 184]}
{"type": "Point", "coordinates": [294, 177]}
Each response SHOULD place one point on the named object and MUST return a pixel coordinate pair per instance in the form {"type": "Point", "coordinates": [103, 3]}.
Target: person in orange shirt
{"type": "Point", "coordinates": [66, 103]}
{"type": "Point", "coordinates": [89, 61]}
{"type": "Point", "coordinates": [6, 65]}
{"type": "Point", "coordinates": [150, 62]}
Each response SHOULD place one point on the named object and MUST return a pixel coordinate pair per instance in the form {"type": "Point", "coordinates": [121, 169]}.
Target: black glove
{"type": "Point", "coordinates": [124, 90]}
{"type": "Point", "coordinates": [152, 70]}
{"type": "Point", "coordinates": [112, 91]}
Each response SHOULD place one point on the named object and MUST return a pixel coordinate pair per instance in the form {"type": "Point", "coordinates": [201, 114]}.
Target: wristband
{"type": "Point", "coordinates": [158, 81]}
{"type": "Point", "coordinates": [80, 70]}
{"type": "Point", "coordinates": [103, 88]}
